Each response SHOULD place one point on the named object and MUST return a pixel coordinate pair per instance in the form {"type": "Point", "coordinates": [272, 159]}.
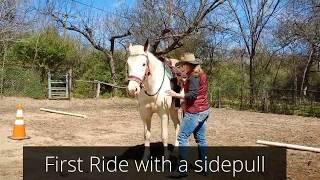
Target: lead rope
{"type": "Point", "coordinates": [164, 74]}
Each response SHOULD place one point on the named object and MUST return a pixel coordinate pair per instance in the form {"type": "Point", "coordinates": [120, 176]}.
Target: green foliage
{"type": "Point", "coordinates": [83, 90]}
{"type": "Point", "coordinates": [229, 78]}
{"type": "Point", "coordinates": [47, 51]}
{"type": "Point", "coordinates": [23, 82]}
{"type": "Point", "coordinates": [94, 66]}
{"type": "Point", "coordinates": [29, 60]}
{"type": "Point", "coordinates": [315, 80]}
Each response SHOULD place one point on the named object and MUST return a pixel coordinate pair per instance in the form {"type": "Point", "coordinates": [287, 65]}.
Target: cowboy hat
{"type": "Point", "coordinates": [189, 58]}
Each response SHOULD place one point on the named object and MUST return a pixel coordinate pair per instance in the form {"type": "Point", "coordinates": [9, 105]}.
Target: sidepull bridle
{"type": "Point", "coordinates": [147, 73]}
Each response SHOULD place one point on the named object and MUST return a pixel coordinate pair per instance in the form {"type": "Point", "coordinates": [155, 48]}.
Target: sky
{"type": "Point", "coordinates": [105, 5]}
{"type": "Point", "coordinates": [98, 6]}
{"type": "Point", "coordinates": [109, 3]}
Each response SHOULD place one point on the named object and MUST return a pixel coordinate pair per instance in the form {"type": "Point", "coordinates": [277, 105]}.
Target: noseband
{"type": "Point", "coordinates": [147, 73]}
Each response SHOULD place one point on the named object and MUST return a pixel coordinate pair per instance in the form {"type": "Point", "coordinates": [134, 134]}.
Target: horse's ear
{"type": "Point", "coordinates": [129, 46]}
{"type": "Point", "coordinates": [146, 45]}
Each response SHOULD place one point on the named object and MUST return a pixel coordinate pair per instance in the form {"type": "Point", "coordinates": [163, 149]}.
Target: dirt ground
{"type": "Point", "coordinates": [116, 122]}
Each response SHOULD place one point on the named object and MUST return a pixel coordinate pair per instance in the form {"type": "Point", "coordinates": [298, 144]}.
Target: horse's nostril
{"type": "Point", "coordinates": [136, 89]}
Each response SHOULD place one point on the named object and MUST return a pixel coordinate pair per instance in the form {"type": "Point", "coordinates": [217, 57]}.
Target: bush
{"type": "Point", "coordinates": [23, 82]}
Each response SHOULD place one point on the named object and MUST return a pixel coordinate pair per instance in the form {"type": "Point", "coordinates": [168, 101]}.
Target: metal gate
{"type": "Point", "coordinates": [58, 86]}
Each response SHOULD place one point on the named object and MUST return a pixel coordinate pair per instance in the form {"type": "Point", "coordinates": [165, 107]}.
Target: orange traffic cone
{"type": "Point", "coordinates": [19, 131]}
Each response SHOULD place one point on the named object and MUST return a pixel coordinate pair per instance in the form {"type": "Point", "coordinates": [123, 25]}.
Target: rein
{"type": "Point", "coordinates": [146, 74]}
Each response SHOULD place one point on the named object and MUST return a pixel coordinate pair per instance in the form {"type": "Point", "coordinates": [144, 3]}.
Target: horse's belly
{"type": "Point", "coordinates": [156, 106]}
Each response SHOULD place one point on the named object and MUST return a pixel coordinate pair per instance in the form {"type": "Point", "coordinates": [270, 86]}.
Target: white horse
{"type": "Point", "coordinates": [148, 81]}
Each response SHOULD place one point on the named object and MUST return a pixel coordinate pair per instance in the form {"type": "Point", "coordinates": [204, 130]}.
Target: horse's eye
{"type": "Point", "coordinates": [144, 64]}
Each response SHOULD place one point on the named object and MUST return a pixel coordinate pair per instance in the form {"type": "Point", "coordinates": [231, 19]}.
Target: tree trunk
{"type": "Point", "coordinates": [2, 69]}
{"type": "Point", "coordinates": [243, 80]}
{"type": "Point", "coordinates": [305, 77]}
{"type": "Point", "coordinates": [110, 60]}
{"type": "Point", "coordinates": [276, 75]}
{"type": "Point", "coordinates": [251, 80]}
{"type": "Point", "coordinates": [295, 81]}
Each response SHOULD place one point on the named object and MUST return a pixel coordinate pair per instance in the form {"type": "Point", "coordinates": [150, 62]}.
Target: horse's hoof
{"type": "Point", "coordinates": [146, 156]}
{"type": "Point", "coordinates": [166, 154]}
{"type": "Point", "coordinates": [175, 151]}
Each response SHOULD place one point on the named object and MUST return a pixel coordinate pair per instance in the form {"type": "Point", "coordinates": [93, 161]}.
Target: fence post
{"type": "Point", "coordinates": [265, 101]}
{"type": "Point", "coordinates": [219, 98]}
{"type": "Point", "coordinates": [241, 98]}
{"type": "Point", "coordinates": [67, 86]}
{"type": "Point", "coordinates": [49, 85]}
{"type": "Point", "coordinates": [70, 83]}
{"type": "Point", "coordinates": [98, 88]}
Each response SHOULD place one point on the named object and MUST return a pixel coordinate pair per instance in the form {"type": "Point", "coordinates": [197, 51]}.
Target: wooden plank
{"type": "Point", "coordinates": [59, 95]}
{"type": "Point", "coordinates": [57, 92]}
{"type": "Point", "coordinates": [63, 112]}
{"type": "Point", "coordinates": [104, 83]}
{"type": "Point", "coordinates": [49, 85]}
{"type": "Point", "coordinates": [58, 82]}
{"type": "Point", "coordinates": [58, 88]}
{"type": "Point", "coordinates": [59, 98]}
{"type": "Point", "coordinates": [67, 85]}
{"type": "Point", "coordinates": [112, 85]}
{"type": "Point", "coordinates": [98, 89]}
{"type": "Point", "coordinates": [289, 146]}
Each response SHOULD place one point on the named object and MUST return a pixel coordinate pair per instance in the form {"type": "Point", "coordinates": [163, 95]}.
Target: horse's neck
{"type": "Point", "coordinates": [156, 73]}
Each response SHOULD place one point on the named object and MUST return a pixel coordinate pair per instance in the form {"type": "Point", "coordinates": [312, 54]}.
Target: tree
{"type": "Point", "coordinates": [251, 17]}
{"type": "Point", "coordinates": [168, 23]}
{"type": "Point", "coordinates": [47, 51]}
{"type": "Point", "coordinates": [12, 23]}
{"type": "Point", "coordinates": [300, 27]}
{"type": "Point", "coordinates": [91, 28]}
{"type": "Point", "coordinates": [13, 19]}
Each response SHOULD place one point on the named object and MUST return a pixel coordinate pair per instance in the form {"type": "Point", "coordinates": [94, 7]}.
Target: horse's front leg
{"type": "Point", "coordinates": [164, 115]}
{"type": "Point", "coordinates": [146, 116]}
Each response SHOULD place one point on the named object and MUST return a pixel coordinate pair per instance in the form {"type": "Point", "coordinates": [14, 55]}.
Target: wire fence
{"type": "Point", "coordinates": [29, 82]}
{"type": "Point", "coordinates": [21, 81]}
{"type": "Point", "coordinates": [96, 89]}
{"type": "Point", "coordinates": [280, 101]}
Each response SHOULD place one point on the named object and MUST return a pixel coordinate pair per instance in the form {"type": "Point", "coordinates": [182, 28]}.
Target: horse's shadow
{"type": "Point", "coordinates": [136, 152]}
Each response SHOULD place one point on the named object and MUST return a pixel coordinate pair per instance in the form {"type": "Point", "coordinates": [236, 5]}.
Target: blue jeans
{"type": "Point", "coordinates": [196, 124]}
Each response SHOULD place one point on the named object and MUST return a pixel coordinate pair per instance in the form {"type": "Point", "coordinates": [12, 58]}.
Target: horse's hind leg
{"type": "Point", "coordinates": [146, 116]}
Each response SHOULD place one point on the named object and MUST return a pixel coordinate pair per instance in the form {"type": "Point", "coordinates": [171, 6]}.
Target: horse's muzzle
{"type": "Point", "coordinates": [133, 88]}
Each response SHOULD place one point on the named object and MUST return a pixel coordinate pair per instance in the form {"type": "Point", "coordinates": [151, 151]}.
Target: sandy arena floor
{"type": "Point", "coordinates": [116, 122]}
